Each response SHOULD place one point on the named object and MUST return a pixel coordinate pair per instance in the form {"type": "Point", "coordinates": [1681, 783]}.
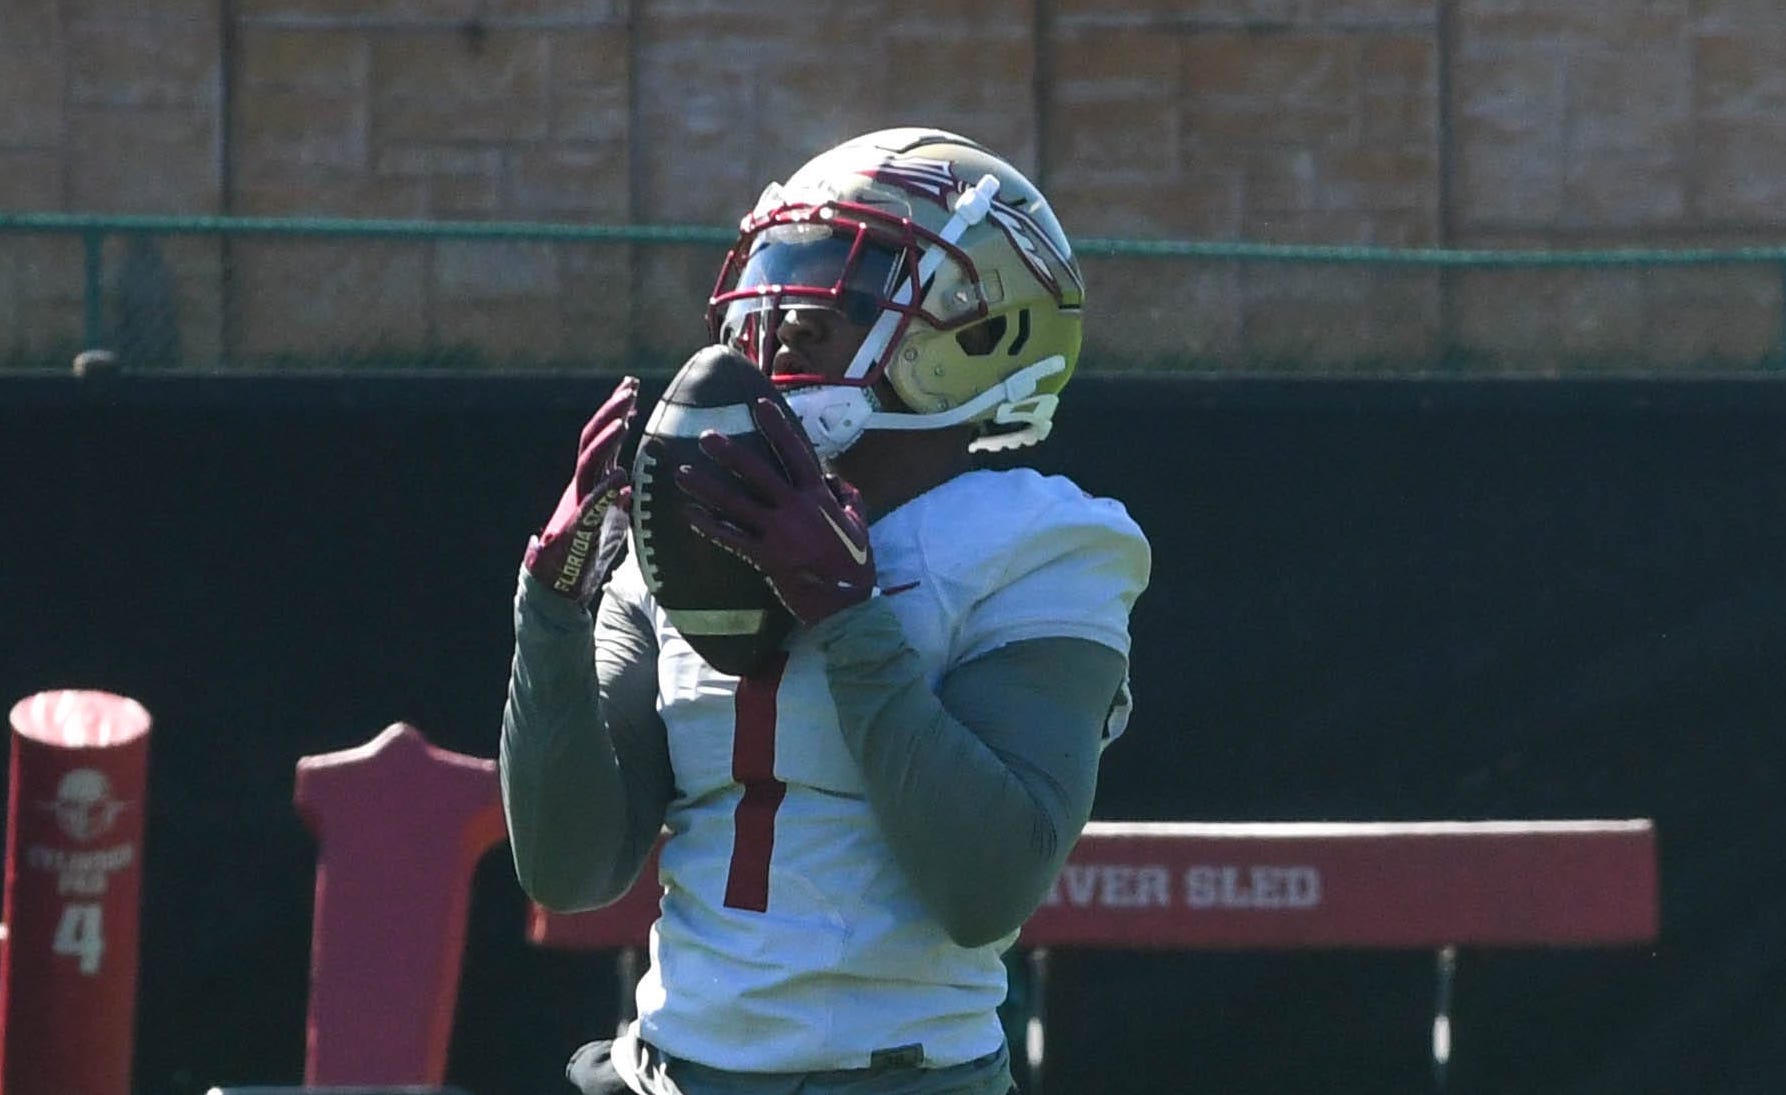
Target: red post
{"type": "Point", "coordinates": [76, 806]}
{"type": "Point", "coordinates": [400, 826]}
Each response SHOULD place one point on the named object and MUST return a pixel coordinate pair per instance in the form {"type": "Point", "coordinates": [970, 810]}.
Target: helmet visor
{"type": "Point", "coordinates": [807, 266]}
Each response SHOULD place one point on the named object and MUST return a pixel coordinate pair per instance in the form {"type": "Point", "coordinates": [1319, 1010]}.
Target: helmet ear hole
{"type": "Point", "coordinates": [981, 339]}
{"type": "Point", "coordinates": [1022, 333]}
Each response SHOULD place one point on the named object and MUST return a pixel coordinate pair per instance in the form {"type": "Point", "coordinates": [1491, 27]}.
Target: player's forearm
{"type": "Point", "coordinates": [980, 792]}
{"type": "Point", "coordinates": [575, 841]}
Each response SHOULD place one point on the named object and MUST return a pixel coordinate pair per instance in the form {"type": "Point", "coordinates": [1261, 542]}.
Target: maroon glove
{"type": "Point", "coordinates": [806, 533]}
{"type": "Point", "coordinates": [562, 555]}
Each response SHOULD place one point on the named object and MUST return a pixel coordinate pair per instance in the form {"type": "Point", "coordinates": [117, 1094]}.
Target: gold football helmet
{"type": "Point", "coordinates": [949, 256]}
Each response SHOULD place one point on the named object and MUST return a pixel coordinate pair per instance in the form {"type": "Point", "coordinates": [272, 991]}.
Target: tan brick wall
{"type": "Point", "coordinates": [1588, 124]}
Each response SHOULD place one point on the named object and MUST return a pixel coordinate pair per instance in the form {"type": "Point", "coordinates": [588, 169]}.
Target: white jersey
{"type": "Point", "coordinates": [788, 939]}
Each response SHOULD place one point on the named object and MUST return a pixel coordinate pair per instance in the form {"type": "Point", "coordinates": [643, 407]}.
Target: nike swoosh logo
{"type": "Point", "coordinates": [857, 553]}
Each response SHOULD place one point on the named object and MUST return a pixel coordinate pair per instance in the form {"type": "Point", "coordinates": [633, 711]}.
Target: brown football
{"type": "Point", "coordinates": [719, 603]}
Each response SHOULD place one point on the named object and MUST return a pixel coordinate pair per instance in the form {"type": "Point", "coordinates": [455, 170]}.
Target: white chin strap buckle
{"type": "Point", "coordinates": [834, 416]}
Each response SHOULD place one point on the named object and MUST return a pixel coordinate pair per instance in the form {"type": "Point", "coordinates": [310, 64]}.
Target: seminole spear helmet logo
{"type": "Point", "coordinates": [84, 804]}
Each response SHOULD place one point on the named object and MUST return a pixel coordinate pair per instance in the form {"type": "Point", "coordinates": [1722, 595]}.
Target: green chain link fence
{"type": "Point", "coordinates": [213, 294]}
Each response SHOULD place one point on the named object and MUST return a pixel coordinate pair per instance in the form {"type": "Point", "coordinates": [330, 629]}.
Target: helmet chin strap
{"type": "Point", "coordinates": [835, 416]}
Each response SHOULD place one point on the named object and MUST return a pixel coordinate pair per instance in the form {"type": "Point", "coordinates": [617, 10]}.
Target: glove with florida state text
{"type": "Point", "coordinates": [563, 555]}
{"type": "Point", "coordinates": [806, 533]}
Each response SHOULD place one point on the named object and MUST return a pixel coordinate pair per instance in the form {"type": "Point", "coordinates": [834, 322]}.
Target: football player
{"type": "Point", "coordinates": [856, 834]}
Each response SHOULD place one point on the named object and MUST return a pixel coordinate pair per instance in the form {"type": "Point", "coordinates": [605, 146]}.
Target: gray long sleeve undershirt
{"type": "Point", "coordinates": [980, 788]}
{"type": "Point", "coordinates": [584, 761]}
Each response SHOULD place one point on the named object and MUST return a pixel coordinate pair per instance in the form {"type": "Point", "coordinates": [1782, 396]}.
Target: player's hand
{"type": "Point", "coordinates": [806, 533]}
{"type": "Point", "coordinates": [562, 556]}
